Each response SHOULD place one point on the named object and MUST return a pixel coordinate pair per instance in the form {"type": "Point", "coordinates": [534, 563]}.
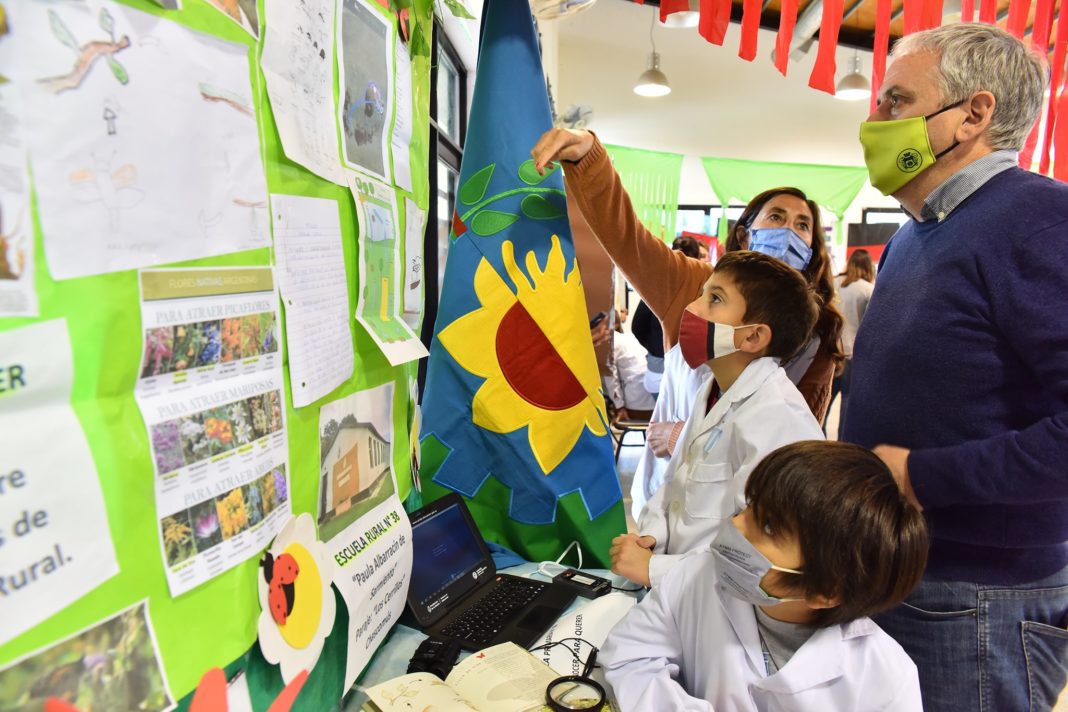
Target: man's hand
{"type": "Point", "coordinates": [897, 460]}
{"type": "Point", "coordinates": [560, 145]}
{"type": "Point", "coordinates": [658, 436]}
{"type": "Point", "coordinates": [630, 557]}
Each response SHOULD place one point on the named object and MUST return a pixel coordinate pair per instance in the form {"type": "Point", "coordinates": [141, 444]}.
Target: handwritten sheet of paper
{"type": "Point", "coordinates": [402, 124]}
{"type": "Point", "coordinates": [297, 61]}
{"type": "Point", "coordinates": [311, 275]}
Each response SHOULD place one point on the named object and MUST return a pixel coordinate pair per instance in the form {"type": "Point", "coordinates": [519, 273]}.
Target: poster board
{"type": "Point", "coordinates": [214, 623]}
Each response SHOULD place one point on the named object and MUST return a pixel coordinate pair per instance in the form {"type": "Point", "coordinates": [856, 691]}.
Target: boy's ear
{"type": "Point", "coordinates": [756, 339]}
{"type": "Point", "coordinates": [819, 601]}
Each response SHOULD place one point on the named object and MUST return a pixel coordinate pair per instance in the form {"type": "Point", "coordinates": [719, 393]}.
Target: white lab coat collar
{"type": "Point", "coordinates": [817, 662]}
{"type": "Point", "coordinates": [750, 379]}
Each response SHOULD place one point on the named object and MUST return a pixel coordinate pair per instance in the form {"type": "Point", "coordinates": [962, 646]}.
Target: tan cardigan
{"type": "Point", "coordinates": [667, 280]}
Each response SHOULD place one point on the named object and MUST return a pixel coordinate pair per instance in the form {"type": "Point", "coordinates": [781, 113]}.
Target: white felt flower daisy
{"type": "Point", "coordinates": [296, 599]}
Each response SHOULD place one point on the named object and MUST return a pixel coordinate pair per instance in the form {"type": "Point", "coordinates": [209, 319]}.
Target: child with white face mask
{"type": "Point", "coordinates": [774, 617]}
{"type": "Point", "coordinates": [753, 313]}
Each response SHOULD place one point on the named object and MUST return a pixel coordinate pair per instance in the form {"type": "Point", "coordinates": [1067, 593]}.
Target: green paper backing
{"type": "Point", "coordinates": [215, 623]}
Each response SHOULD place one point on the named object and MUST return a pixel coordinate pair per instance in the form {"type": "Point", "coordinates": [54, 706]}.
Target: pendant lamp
{"type": "Point", "coordinates": [854, 86]}
{"type": "Point", "coordinates": [652, 82]}
{"type": "Point", "coordinates": [684, 18]}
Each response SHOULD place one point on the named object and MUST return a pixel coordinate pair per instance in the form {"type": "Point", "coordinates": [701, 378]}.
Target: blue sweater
{"type": "Point", "coordinates": [963, 358]}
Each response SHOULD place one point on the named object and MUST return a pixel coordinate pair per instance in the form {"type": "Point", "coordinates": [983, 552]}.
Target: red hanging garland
{"type": "Point", "coordinates": [787, 20]}
{"type": "Point", "coordinates": [1040, 41]}
{"type": "Point", "coordinates": [715, 16]}
{"type": "Point", "coordinates": [880, 50]}
{"type": "Point", "coordinates": [750, 29]}
{"type": "Point", "coordinates": [1059, 48]}
{"type": "Point", "coordinates": [822, 76]}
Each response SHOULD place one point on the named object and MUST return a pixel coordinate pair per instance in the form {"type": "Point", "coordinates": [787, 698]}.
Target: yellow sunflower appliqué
{"type": "Point", "coordinates": [533, 348]}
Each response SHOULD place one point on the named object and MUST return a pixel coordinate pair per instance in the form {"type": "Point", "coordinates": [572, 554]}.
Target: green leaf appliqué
{"type": "Point", "coordinates": [529, 174]}
{"type": "Point", "coordinates": [456, 7]}
{"type": "Point", "coordinates": [538, 208]}
{"type": "Point", "coordinates": [490, 222]}
{"type": "Point", "coordinates": [472, 191]}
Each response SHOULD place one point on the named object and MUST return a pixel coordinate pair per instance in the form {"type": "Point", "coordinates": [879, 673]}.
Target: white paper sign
{"type": "Point", "coordinates": [402, 124]}
{"type": "Point", "coordinates": [212, 396]}
{"type": "Point", "coordinates": [414, 229]}
{"type": "Point", "coordinates": [55, 545]}
{"type": "Point", "coordinates": [361, 519]}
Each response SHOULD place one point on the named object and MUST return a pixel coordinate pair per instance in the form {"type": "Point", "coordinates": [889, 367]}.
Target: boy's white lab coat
{"type": "Point", "coordinates": [692, 646]}
{"type": "Point", "coordinates": [705, 482]}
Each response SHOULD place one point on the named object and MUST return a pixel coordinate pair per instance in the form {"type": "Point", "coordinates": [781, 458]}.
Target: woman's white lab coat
{"type": "Point", "coordinates": [692, 646]}
{"type": "Point", "coordinates": [705, 482]}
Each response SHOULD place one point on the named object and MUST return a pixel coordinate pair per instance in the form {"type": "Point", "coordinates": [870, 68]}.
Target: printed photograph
{"type": "Point", "coordinates": [167, 446]}
{"type": "Point", "coordinates": [170, 349]}
{"type": "Point", "coordinates": [178, 542]}
{"type": "Point", "coordinates": [356, 452]}
{"type": "Point", "coordinates": [275, 489]}
{"type": "Point", "coordinates": [246, 336]}
{"type": "Point", "coordinates": [111, 666]}
{"type": "Point", "coordinates": [233, 515]}
{"type": "Point", "coordinates": [364, 103]}
{"type": "Point", "coordinates": [206, 529]}
{"type": "Point", "coordinates": [253, 494]}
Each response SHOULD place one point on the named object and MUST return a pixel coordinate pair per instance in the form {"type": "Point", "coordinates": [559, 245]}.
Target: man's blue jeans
{"type": "Point", "coordinates": [983, 648]}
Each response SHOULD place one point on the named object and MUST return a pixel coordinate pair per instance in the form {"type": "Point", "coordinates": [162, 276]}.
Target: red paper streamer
{"type": "Point", "coordinates": [1059, 48]}
{"type": "Point", "coordinates": [913, 16]}
{"type": "Point", "coordinates": [715, 16]}
{"type": "Point", "coordinates": [1018, 11]}
{"type": "Point", "coordinates": [1040, 41]}
{"type": "Point", "coordinates": [1060, 137]}
{"type": "Point", "coordinates": [750, 29]}
{"type": "Point", "coordinates": [670, 7]}
{"type": "Point", "coordinates": [932, 14]}
{"type": "Point", "coordinates": [967, 11]}
{"type": "Point", "coordinates": [787, 20]}
{"type": "Point", "coordinates": [988, 11]}
{"type": "Point", "coordinates": [822, 76]}
{"type": "Point", "coordinates": [880, 50]}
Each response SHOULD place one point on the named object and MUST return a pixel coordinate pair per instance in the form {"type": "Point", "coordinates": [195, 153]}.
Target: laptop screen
{"type": "Point", "coordinates": [448, 560]}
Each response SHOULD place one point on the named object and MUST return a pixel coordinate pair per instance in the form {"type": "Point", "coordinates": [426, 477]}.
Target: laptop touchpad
{"type": "Point", "coordinates": [539, 618]}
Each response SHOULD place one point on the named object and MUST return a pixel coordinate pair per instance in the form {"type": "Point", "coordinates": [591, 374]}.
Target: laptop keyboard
{"type": "Point", "coordinates": [484, 620]}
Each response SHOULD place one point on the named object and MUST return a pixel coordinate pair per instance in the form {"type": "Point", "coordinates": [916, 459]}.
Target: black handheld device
{"type": "Point", "coordinates": [597, 318]}
{"type": "Point", "coordinates": [584, 584]}
{"type": "Point", "coordinates": [435, 656]}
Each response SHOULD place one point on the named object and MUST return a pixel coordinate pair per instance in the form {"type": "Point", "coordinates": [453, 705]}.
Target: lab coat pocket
{"type": "Point", "coordinates": [707, 491]}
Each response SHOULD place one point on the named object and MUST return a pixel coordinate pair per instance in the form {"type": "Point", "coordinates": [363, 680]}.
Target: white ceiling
{"type": "Point", "coordinates": [720, 105]}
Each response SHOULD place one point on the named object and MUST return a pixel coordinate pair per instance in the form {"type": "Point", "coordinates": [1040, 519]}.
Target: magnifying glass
{"type": "Point", "coordinates": [576, 692]}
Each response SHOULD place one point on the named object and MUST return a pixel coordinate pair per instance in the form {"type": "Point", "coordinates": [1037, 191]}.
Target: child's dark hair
{"type": "Point", "coordinates": [862, 542]}
{"type": "Point", "coordinates": [775, 294]}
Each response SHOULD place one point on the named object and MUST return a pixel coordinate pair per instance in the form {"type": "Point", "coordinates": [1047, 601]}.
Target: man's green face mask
{"type": "Point", "coordinates": [897, 151]}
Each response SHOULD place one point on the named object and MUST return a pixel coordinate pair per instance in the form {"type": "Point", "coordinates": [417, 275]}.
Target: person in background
{"type": "Point", "coordinates": [854, 287]}
{"type": "Point", "coordinates": [776, 224]}
{"type": "Point", "coordinates": [646, 327]}
{"type": "Point", "coordinates": [960, 368]}
{"type": "Point", "coordinates": [626, 384]}
{"type": "Point", "coordinates": [702, 252]}
{"type": "Point", "coordinates": [775, 616]}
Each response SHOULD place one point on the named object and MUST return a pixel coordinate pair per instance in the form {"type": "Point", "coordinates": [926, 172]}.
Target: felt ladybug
{"type": "Point", "coordinates": [280, 574]}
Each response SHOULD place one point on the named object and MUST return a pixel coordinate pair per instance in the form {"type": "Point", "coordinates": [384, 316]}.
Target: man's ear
{"type": "Point", "coordinates": [756, 339]}
{"type": "Point", "coordinates": [980, 110]}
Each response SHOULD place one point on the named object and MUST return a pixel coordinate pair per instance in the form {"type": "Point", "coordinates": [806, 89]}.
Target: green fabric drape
{"type": "Point", "coordinates": [651, 178]}
{"type": "Point", "coordinates": [831, 187]}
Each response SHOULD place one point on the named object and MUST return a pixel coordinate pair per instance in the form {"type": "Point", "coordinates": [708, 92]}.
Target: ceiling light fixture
{"type": "Point", "coordinates": [854, 86]}
{"type": "Point", "coordinates": [684, 18]}
{"type": "Point", "coordinates": [652, 81]}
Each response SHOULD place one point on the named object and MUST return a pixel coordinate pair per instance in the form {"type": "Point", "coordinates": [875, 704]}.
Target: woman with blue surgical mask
{"type": "Point", "coordinates": [784, 223]}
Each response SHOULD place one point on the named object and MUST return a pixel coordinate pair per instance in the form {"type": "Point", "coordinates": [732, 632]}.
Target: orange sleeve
{"type": "Point", "coordinates": [666, 280]}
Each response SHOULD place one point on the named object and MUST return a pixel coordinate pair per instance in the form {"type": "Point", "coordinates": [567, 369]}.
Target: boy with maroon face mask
{"type": "Point", "coordinates": [754, 313]}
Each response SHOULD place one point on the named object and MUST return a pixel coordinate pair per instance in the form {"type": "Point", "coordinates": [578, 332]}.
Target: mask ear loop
{"type": "Point", "coordinates": [573, 545]}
